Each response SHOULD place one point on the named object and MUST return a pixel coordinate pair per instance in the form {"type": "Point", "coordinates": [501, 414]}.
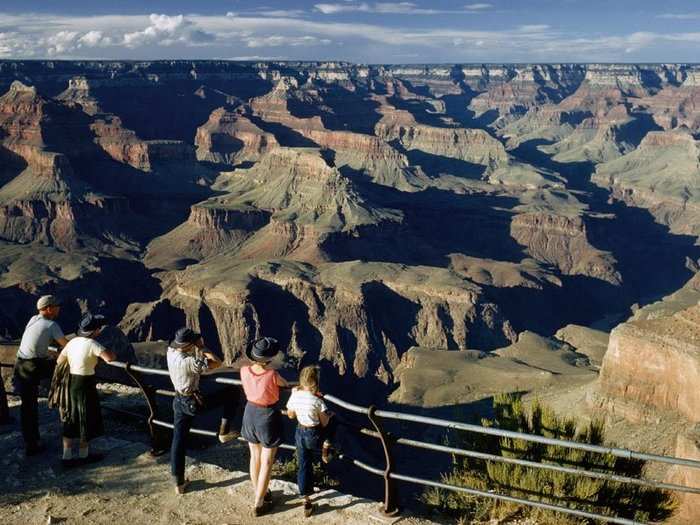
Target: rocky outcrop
{"type": "Point", "coordinates": [469, 145]}
{"type": "Point", "coordinates": [229, 138]}
{"type": "Point", "coordinates": [687, 446]}
{"type": "Point", "coordinates": [655, 364]}
{"type": "Point", "coordinates": [357, 318]}
{"type": "Point", "coordinates": [660, 175]}
{"type": "Point", "coordinates": [563, 242]}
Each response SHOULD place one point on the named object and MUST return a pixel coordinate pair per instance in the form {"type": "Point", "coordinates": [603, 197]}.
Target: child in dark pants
{"type": "Point", "coordinates": [314, 429]}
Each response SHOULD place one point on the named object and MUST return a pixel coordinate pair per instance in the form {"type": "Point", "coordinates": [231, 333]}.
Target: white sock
{"type": "Point", "coordinates": [67, 453]}
{"type": "Point", "coordinates": [83, 453]}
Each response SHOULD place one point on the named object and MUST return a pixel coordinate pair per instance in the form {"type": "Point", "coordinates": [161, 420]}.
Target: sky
{"type": "Point", "coordinates": [419, 31]}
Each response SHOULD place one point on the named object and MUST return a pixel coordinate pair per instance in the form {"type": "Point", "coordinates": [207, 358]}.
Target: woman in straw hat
{"type": "Point", "coordinates": [262, 421]}
{"type": "Point", "coordinates": [84, 421]}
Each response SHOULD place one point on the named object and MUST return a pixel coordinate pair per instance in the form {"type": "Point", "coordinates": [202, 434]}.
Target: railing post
{"type": "Point", "coordinates": [390, 495]}
{"type": "Point", "coordinates": [157, 447]}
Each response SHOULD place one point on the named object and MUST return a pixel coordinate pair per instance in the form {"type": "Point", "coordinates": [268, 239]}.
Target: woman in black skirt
{"type": "Point", "coordinates": [84, 418]}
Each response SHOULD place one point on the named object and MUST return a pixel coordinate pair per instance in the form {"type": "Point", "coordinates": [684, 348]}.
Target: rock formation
{"type": "Point", "coordinates": [352, 211]}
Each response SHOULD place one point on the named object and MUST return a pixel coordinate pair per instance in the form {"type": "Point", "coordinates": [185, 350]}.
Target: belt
{"type": "Point", "coordinates": [181, 394]}
{"type": "Point", "coordinates": [309, 428]}
{"type": "Point", "coordinates": [259, 405]}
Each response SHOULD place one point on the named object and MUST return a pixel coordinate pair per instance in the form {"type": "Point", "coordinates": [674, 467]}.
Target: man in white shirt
{"type": "Point", "coordinates": [34, 363]}
{"type": "Point", "coordinates": [188, 358]}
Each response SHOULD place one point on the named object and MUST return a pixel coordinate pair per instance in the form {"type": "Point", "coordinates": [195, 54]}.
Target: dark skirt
{"type": "Point", "coordinates": [262, 425]}
{"type": "Point", "coordinates": [85, 418]}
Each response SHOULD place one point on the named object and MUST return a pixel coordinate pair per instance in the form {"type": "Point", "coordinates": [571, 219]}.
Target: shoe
{"type": "Point", "coordinates": [308, 509]}
{"type": "Point", "coordinates": [33, 450]}
{"type": "Point", "coordinates": [180, 489]}
{"type": "Point", "coordinates": [229, 436]}
{"type": "Point", "coordinates": [69, 463]}
{"type": "Point", "coordinates": [262, 509]}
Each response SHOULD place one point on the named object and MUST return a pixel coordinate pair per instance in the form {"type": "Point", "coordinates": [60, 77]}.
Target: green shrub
{"type": "Point", "coordinates": [578, 492]}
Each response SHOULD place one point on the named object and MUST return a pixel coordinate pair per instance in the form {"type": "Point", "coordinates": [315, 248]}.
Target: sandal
{"type": "Point", "coordinates": [308, 509]}
{"type": "Point", "coordinates": [268, 496]}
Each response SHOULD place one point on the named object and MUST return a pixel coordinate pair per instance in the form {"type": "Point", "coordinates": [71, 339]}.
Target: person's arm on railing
{"type": "Point", "coordinates": [106, 355]}
{"type": "Point", "coordinates": [281, 381]}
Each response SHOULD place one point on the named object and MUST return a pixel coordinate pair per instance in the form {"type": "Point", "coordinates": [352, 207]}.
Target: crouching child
{"type": "Point", "coordinates": [315, 429]}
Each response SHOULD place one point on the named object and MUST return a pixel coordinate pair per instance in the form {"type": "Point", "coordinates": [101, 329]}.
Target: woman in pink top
{"type": "Point", "coordinates": [262, 422]}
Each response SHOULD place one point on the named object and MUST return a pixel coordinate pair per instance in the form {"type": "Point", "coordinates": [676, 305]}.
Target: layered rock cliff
{"type": "Point", "coordinates": [352, 211]}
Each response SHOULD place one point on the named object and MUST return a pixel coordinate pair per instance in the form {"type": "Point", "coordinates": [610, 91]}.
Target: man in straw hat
{"type": "Point", "coordinates": [34, 363]}
{"type": "Point", "coordinates": [188, 358]}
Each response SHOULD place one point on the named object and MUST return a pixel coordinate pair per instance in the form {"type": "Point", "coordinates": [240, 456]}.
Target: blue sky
{"type": "Point", "coordinates": [418, 31]}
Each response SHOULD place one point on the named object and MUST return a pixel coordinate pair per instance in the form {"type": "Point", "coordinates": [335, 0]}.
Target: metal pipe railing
{"type": "Point", "coordinates": [389, 474]}
{"type": "Point", "coordinates": [546, 466]}
{"type": "Point", "coordinates": [613, 451]}
{"type": "Point", "coordinates": [512, 499]}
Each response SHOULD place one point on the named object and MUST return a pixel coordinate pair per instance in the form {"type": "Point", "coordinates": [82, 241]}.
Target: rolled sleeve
{"type": "Point", "coordinates": [197, 365]}
{"type": "Point", "coordinates": [96, 349]}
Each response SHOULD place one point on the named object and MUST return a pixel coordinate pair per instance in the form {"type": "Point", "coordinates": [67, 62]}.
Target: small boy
{"type": "Point", "coordinates": [314, 423]}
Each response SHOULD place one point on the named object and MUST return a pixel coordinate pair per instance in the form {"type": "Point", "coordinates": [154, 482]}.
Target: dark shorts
{"type": "Point", "coordinates": [262, 426]}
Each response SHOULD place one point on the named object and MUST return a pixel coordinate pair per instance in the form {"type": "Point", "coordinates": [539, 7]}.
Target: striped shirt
{"type": "Point", "coordinates": [185, 370]}
{"type": "Point", "coordinates": [306, 406]}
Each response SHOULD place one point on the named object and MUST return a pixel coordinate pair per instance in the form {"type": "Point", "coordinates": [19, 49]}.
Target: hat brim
{"type": "Point", "coordinates": [175, 344]}
{"type": "Point", "coordinates": [86, 333]}
{"type": "Point", "coordinates": [252, 357]}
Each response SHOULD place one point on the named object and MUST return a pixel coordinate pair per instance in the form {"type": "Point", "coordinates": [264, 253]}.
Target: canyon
{"type": "Point", "coordinates": [352, 211]}
{"type": "Point", "coordinates": [431, 235]}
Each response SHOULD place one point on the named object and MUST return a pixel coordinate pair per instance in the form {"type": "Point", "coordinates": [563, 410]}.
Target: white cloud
{"type": "Point", "coordinates": [279, 40]}
{"type": "Point", "coordinates": [679, 16]}
{"type": "Point", "coordinates": [533, 28]}
{"type": "Point", "coordinates": [279, 13]}
{"type": "Point", "coordinates": [389, 8]}
{"type": "Point", "coordinates": [478, 7]}
{"type": "Point", "coordinates": [208, 36]}
{"type": "Point", "coordinates": [168, 30]}
{"type": "Point", "coordinates": [61, 42]}
{"type": "Point", "coordinates": [13, 44]}
{"type": "Point", "coordinates": [94, 39]}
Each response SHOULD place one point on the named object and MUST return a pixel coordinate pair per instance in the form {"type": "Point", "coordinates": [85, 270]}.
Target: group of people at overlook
{"type": "Point", "coordinates": [73, 392]}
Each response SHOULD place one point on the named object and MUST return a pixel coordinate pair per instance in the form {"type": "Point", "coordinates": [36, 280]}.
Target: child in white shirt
{"type": "Point", "coordinates": [307, 406]}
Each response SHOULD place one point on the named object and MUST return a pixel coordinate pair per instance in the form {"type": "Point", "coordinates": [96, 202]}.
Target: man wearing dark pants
{"type": "Point", "coordinates": [35, 363]}
{"type": "Point", "coordinates": [187, 359]}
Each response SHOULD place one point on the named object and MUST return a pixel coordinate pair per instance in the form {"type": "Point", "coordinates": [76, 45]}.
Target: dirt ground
{"type": "Point", "coordinates": [131, 487]}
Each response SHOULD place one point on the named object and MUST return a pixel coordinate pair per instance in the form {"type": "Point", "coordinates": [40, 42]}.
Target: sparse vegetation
{"type": "Point", "coordinates": [583, 493]}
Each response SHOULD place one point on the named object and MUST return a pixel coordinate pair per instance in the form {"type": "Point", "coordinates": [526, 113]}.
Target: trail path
{"type": "Point", "coordinates": [131, 487]}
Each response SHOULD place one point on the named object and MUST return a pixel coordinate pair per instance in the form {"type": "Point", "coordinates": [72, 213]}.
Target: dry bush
{"type": "Point", "coordinates": [578, 492]}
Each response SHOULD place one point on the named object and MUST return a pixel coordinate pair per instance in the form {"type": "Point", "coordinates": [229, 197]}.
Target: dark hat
{"type": "Point", "coordinates": [263, 350]}
{"type": "Point", "coordinates": [185, 337]}
{"type": "Point", "coordinates": [89, 323]}
{"type": "Point", "coordinates": [47, 300]}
